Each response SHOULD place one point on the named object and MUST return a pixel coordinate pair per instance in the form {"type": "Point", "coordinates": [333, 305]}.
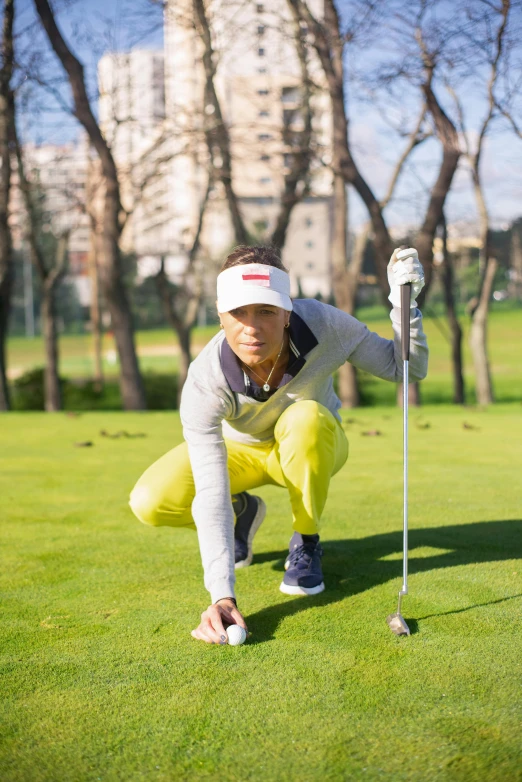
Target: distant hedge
{"type": "Point", "coordinates": [161, 392]}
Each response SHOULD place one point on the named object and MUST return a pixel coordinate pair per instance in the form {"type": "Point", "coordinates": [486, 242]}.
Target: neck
{"type": "Point", "coordinates": [268, 367]}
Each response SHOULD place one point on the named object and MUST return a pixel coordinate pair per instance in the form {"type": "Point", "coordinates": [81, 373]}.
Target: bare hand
{"type": "Point", "coordinates": [214, 621]}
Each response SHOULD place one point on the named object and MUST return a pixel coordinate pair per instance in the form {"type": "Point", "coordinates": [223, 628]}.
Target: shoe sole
{"type": "Point", "coordinates": [286, 589]}
{"type": "Point", "coordinates": [258, 520]}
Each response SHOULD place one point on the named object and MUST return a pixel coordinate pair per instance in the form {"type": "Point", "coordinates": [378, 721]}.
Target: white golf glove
{"type": "Point", "coordinates": [404, 267]}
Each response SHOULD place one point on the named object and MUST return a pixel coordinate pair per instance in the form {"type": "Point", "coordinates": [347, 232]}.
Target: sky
{"type": "Point", "coordinates": [93, 27]}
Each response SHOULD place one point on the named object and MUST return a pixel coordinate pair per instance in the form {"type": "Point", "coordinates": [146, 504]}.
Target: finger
{"type": "Point", "coordinates": [406, 252]}
{"type": "Point", "coordinates": [207, 629]}
{"type": "Point", "coordinates": [215, 628]}
{"type": "Point", "coordinates": [200, 636]}
{"type": "Point", "coordinates": [406, 272]}
{"type": "Point", "coordinates": [412, 264]}
{"type": "Point", "coordinates": [238, 619]}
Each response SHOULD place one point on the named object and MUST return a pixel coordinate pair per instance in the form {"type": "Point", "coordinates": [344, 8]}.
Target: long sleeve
{"type": "Point", "coordinates": [382, 357]}
{"type": "Point", "coordinates": [202, 411]}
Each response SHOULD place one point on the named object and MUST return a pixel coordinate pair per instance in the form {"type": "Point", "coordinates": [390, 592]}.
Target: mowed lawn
{"type": "Point", "coordinates": [101, 679]}
{"type": "Point", "coordinates": [158, 352]}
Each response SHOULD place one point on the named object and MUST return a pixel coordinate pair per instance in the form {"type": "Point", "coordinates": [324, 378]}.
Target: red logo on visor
{"type": "Point", "coordinates": [257, 278]}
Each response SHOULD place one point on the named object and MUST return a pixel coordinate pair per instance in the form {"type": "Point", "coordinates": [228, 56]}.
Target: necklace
{"type": "Point", "coordinates": [266, 386]}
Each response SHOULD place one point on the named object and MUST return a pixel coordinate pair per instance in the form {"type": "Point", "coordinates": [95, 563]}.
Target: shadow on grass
{"type": "Point", "coordinates": [353, 566]}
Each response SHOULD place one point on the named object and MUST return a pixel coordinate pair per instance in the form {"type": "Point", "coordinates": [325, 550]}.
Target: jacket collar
{"type": "Point", "coordinates": [302, 341]}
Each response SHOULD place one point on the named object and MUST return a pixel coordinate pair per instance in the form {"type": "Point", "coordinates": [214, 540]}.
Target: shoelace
{"type": "Point", "coordinates": [303, 553]}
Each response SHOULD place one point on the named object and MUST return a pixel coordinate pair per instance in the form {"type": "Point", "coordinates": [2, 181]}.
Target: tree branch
{"type": "Point", "coordinates": [74, 70]}
{"type": "Point", "coordinates": [218, 133]}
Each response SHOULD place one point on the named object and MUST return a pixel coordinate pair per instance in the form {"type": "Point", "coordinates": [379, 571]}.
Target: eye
{"type": "Point", "coordinates": [267, 312]}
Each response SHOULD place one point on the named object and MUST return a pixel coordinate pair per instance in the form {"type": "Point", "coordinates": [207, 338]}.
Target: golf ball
{"type": "Point", "coordinates": [236, 635]}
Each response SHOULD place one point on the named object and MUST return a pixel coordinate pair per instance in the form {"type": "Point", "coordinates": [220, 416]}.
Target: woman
{"type": "Point", "coordinates": [258, 407]}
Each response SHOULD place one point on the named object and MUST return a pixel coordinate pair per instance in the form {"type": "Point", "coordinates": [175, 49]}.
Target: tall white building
{"type": "Point", "coordinates": [59, 173]}
{"type": "Point", "coordinates": [132, 119]}
{"type": "Point", "coordinates": [258, 78]}
{"type": "Point", "coordinates": [153, 112]}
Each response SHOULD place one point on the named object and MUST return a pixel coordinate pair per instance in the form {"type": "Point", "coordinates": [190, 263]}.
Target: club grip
{"type": "Point", "coordinates": [405, 321]}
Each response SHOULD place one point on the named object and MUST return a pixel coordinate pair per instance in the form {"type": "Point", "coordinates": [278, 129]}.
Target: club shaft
{"type": "Point", "coordinates": [405, 527]}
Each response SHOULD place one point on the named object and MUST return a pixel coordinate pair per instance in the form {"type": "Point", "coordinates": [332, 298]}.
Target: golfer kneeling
{"type": "Point", "coordinates": [259, 407]}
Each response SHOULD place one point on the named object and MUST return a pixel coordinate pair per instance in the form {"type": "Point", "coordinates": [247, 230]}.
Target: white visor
{"type": "Point", "coordinates": [253, 283]}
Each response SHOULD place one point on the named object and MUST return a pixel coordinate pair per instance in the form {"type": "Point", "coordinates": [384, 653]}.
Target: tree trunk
{"type": "Point", "coordinates": [515, 273]}
{"type": "Point", "coordinates": [6, 259]}
{"type": "Point", "coordinates": [414, 397]}
{"type": "Point", "coordinates": [181, 322]}
{"type": "Point", "coordinates": [300, 147]}
{"type": "Point", "coordinates": [96, 326]}
{"type": "Point", "coordinates": [344, 297]}
{"type": "Point", "coordinates": [478, 337]}
{"type": "Point", "coordinates": [53, 396]}
{"type": "Point", "coordinates": [5, 303]}
{"type": "Point", "coordinates": [131, 382]}
{"type": "Point", "coordinates": [459, 394]}
{"type": "Point", "coordinates": [217, 134]}
{"type": "Point", "coordinates": [348, 389]}
{"type": "Point", "coordinates": [448, 136]}
{"type": "Point", "coordinates": [459, 389]}
{"type": "Point", "coordinates": [184, 337]}
{"type": "Point", "coordinates": [6, 288]}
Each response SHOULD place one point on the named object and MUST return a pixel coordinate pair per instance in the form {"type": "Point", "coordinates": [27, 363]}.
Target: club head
{"type": "Point", "coordinates": [397, 624]}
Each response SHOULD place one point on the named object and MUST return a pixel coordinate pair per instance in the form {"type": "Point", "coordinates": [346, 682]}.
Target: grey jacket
{"type": "Point", "coordinates": [220, 401]}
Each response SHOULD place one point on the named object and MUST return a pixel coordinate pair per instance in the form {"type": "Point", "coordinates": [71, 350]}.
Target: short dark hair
{"type": "Point", "coordinates": [267, 255]}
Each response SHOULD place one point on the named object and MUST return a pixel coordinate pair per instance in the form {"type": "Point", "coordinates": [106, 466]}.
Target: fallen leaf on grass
{"type": "Point", "coordinates": [121, 433]}
{"type": "Point", "coordinates": [372, 433]}
{"type": "Point", "coordinates": [86, 444]}
{"type": "Point", "coordinates": [47, 622]}
{"type": "Point", "coordinates": [107, 614]}
{"type": "Point", "coordinates": [465, 425]}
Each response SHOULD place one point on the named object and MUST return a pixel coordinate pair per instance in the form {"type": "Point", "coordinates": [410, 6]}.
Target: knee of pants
{"type": "Point", "coordinates": [144, 505]}
{"type": "Point", "coordinates": [307, 418]}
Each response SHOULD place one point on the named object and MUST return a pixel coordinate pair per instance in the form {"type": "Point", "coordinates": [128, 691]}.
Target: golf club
{"type": "Point", "coordinates": [396, 621]}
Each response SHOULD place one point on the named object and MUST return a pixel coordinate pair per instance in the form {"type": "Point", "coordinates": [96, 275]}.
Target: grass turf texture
{"type": "Point", "coordinates": [102, 681]}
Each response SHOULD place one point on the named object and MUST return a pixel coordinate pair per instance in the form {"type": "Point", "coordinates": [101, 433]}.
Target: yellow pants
{"type": "Point", "coordinates": [309, 447]}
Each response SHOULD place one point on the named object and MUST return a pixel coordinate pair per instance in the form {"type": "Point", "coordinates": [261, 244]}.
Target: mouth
{"type": "Point", "coordinates": [252, 345]}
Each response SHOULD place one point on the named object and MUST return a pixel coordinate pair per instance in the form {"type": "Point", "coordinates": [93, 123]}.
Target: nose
{"type": "Point", "coordinates": [250, 326]}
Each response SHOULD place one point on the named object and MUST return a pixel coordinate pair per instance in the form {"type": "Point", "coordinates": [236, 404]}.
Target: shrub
{"type": "Point", "coordinates": [28, 390]}
{"type": "Point", "coordinates": [161, 393]}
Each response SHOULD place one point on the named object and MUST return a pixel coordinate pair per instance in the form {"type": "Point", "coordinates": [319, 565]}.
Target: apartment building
{"type": "Point", "coordinates": [59, 173]}
{"type": "Point", "coordinates": [258, 84]}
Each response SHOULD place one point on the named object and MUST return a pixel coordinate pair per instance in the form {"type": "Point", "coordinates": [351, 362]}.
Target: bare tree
{"type": "Point", "coordinates": [216, 131]}
{"type": "Point", "coordinates": [181, 302]}
{"type": "Point", "coordinates": [6, 125]}
{"type": "Point", "coordinates": [300, 143]}
{"type": "Point", "coordinates": [448, 285]}
{"type": "Point", "coordinates": [479, 312]}
{"type": "Point", "coordinates": [478, 335]}
{"type": "Point", "coordinates": [50, 275]}
{"type": "Point", "coordinates": [108, 252]}
{"type": "Point", "coordinates": [515, 272]}
{"type": "Point", "coordinates": [329, 43]}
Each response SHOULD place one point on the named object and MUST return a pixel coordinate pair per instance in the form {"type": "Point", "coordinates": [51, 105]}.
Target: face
{"type": "Point", "coordinates": [255, 332]}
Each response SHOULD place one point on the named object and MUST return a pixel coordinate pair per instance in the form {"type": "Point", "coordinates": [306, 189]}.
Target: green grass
{"type": "Point", "coordinates": [102, 681]}
{"type": "Point", "coordinates": [157, 354]}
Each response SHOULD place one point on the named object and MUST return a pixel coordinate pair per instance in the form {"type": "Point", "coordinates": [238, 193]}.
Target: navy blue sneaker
{"type": "Point", "coordinates": [304, 575]}
{"type": "Point", "coordinates": [250, 512]}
